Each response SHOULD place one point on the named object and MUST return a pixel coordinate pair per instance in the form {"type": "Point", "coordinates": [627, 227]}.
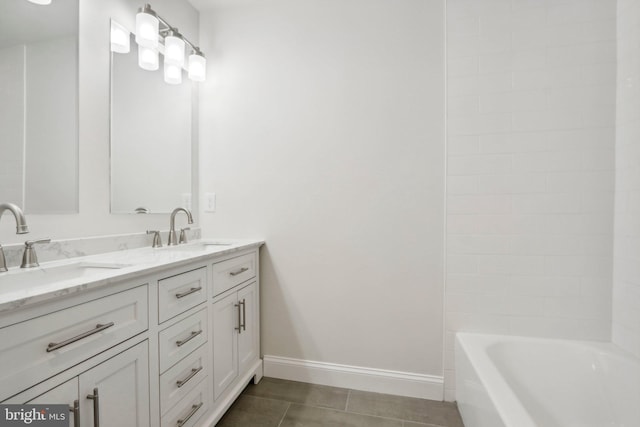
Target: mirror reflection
{"type": "Point", "coordinates": [150, 138]}
{"type": "Point", "coordinates": [39, 108]}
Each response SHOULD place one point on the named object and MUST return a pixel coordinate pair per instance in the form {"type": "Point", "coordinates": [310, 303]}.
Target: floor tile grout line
{"type": "Point", "coordinates": [346, 404]}
{"type": "Point", "coordinates": [285, 414]}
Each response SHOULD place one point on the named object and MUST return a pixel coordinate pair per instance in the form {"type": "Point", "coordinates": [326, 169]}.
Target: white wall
{"type": "Point", "coordinates": [626, 285]}
{"type": "Point", "coordinates": [531, 115]}
{"type": "Point", "coordinates": [12, 123]}
{"type": "Point", "coordinates": [94, 217]}
{"type": "Point", "coordinates": [322, 130]}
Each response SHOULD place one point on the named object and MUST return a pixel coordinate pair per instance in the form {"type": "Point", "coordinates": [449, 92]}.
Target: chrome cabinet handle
{"type": "Point", "coordinates": [194, 409]}
{"type": "Point", "coordinates": [240, 271]}
{"type": "Point", "coordinates": [244, 315]}
{"type": "Point", "coordinates": [96, 407]}
{"type": "Point", "coordinates": [194, 334]}
{"type": "Point", "coordinates": [189, 292]}
{"type": "Point", "coordinates": [239, 328]}
{"type": "Point", "coordinates": [193, 373]}
{"type": "Point", "coordinates": [76, 413]}
{"type": "Point", "coordinates": [99, 328]}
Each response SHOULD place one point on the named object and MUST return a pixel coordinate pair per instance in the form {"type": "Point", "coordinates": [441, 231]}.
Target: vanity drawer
{"type": "Point", "coordinates": [190, 409]}
{"type": "Point", "coordinates": [177, 294]}
{"type": "Point", "coordinates": [41, 347]}
{"type": "Point", "coordinates": [229, 273]}
{"type": "Point", "coordinates": [183, 377]}
{"type": "Point", "coordinates": [180, 339]}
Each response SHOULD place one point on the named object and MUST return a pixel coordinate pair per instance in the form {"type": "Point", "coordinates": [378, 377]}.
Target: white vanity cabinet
{"type": "Point", "coordinates": [113, 393]}
{"type": "Point", "coordinates": [118, 390]}
{"type": "Point", "coordinates": [171, 346]}
{"type": "Point", "coordinates": [235, 335]}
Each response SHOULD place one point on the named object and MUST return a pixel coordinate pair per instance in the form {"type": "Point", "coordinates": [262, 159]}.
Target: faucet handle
{"type": "Point", "coordinates": [29, 257]}
{"type": "Point", "coordinates": [30, 243]}
{"type": "Point", "coordinates": [183, 235]}
{"type": "Point", "coordinates": [157, 239]}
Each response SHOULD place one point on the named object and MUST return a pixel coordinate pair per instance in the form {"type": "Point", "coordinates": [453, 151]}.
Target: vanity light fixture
{"type": "Point", "coordinates": [40, 2]}
{"type": "Point", "coordinates": [197, 66]}
{"type": "Point", "coordinates": [119, 38]}
{"type": "Point", "coordinates": [174, 48]}
{"type": "Point", "coordinates": [147, 27]}
{"type": "Point", "coordinates": [172, 73]}
{"type": "Point", "coordinates": [153, 35]}
{"type": "Point", "coordinates": [148, 58]}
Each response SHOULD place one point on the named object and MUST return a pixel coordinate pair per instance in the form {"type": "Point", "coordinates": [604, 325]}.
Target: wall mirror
{"type": "Point", "coordinates": [39, 108]}
{"type": "Point", "coordinates": [150, 138]}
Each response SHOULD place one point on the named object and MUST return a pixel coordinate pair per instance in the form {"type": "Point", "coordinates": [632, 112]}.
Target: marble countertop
{"type": "Point", "coordinates": [22, 287]}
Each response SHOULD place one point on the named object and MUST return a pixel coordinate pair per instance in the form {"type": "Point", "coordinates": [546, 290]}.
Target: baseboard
{"type": "Point", "coordinates": [355, 377]}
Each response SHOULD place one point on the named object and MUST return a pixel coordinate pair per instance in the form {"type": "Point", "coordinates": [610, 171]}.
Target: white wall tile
{"type": "Point", "coordinates": [626, 262]}
{"type": "Point", "coordinates": [531, 183]}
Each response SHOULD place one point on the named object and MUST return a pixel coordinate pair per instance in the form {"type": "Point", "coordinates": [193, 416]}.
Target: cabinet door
{"type": "Point", "coordinates": [225, 343]}
{"type": "Point", "coordinates": [65, 393]}
{"type": "Point", "coordinates": [249, 336]}
{"type": "Point", "coordinates": [121, 385]}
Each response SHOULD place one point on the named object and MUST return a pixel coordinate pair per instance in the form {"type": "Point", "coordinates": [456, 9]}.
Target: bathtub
{"type": "Point", "coordinates": [535, 382]}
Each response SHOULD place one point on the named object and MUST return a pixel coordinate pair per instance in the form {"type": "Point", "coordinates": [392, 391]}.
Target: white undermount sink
{"type": "Point", "coordinates": [197, 246]}
{"type": "Point", "coordinates": [44, 275]}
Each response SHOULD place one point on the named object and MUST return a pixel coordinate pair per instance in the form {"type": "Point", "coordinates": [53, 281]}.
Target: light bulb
{"type": "Point", "coordinates": [147, 26]}
{"type": "Point", "coordinates": [172, 74]}
{"type": "Point", "coordinates": [197, 67]}
{"type": "Point", "coordinates": [174, 49]}
{"type": "Point", "coordinates": [120, 41]}
{"type": "Point", "coordinates": [148, 58]}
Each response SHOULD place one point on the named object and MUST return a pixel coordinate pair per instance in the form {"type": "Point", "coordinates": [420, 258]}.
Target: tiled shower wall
{"type": "Point", "coordinates": [626, 279]}
{"type": "Point", "coordinates": [530, 181]}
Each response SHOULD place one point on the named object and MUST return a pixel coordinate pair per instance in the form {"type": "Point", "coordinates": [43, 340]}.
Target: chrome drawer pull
{"type": "Point", "coordinates": [75, 409]}
{"type": "Point", "coordinates": [193, 373]}
{"type": "Point", "coordinates": [96, 407]}
{"type": "Point", "coordinates": [99, 328]}
{"type": "Point", "coordinates": [194, 409]}
{"type": "Point", "coordinates": [242, 270]}
{"type": "Point", "coordinates": [194, 334]}
{"type": "Point", "coordinates": [239, 328]}
{"type": "Point", "coordinates": [244, 315]}
{"type": "Point", "coordinates": [189, 292]}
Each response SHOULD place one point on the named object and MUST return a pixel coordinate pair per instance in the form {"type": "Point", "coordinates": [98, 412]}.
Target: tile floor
{"type": "Point", "coordinates": [281, 403]}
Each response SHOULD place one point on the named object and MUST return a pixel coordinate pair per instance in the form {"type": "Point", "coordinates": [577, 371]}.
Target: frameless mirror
{"type": "Point", "coordinates": [39, 108]}
{"type": "Point", "coordinates": [150, 138]}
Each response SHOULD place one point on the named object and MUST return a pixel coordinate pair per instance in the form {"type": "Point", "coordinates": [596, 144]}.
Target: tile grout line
{"type": "Point", "coordinates": [346, 405]}
{"type": "Point", "coordinates": [285, 414]}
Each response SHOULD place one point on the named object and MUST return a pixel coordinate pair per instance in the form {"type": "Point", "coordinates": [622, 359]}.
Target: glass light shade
{"type": "Point", "coordinates": [148, 58]}
{"type": "Point", "coordinates": [42, 2]}
{"type": "Point", "coordinates": [119, 38]}
{"type": "Point", "coordinates": [197, 67]}
{"type": "Point", "coordinates": [172, 74]}
{"type": "Point", "coordinates": [174, 50]}
{"type": "Point", "coordinates": [147, 27]}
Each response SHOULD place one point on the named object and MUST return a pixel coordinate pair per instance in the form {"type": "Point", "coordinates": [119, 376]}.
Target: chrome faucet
{"type": "Point", "coordinates": [29, 257]}
{"type": "Point", "coordinates": [173, 241]}
{"type": "Point", "coordinates": [21, 227]}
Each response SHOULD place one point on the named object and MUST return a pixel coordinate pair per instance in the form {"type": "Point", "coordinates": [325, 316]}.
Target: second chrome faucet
{"type": "Point", "coordinates": [173, 240]}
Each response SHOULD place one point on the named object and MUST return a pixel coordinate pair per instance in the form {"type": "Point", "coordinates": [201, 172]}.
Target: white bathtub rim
{"type": "Point", "coordinates": [506, 403]}
{"type": "Point", "coordinates": [504, 399]}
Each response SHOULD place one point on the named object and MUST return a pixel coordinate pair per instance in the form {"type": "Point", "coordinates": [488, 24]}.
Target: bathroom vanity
{"type": "Point", "coordinates": [141, 337]}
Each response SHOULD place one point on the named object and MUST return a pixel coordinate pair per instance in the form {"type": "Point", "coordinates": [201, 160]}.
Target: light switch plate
{"type": "Point", "coordinates": [209, 202]}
